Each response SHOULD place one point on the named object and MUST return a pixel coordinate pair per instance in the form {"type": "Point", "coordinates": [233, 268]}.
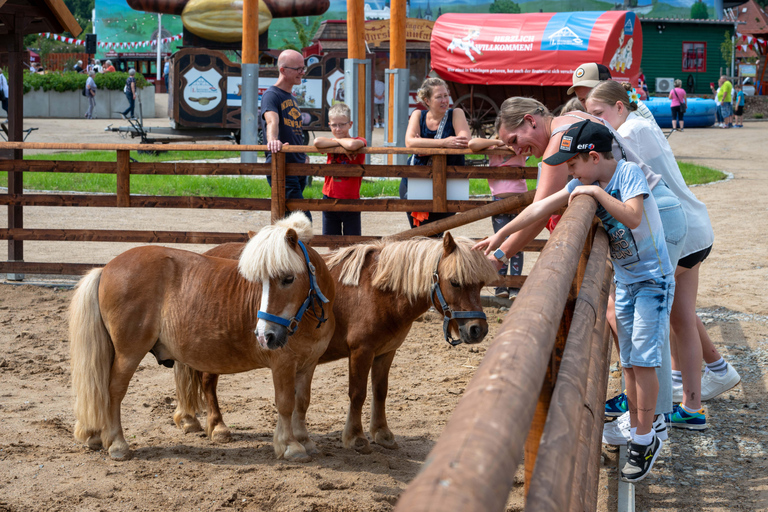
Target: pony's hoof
{"type": "Point", "coordinates": [189, 424]}
{"type": "Point", "coordinates": [221, 435]}
{"type": "Point", "coordinates": [361, 445]}
{"type": "Point", "coordinates": [94, 443]}
{"type": "Point", "coordinates": [119, 452]}
{"type": "Point", "coordinates": [386, 440]}
{"type": "Point", "coordinates": [310, 447]}
{"type": "Point", "coordinates": [296, 453]}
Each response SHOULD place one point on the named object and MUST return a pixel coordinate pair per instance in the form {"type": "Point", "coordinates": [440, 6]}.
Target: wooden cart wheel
{"type": "Point", "coordinates": [481, 113]}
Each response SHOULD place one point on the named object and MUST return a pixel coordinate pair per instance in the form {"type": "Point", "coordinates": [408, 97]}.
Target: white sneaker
{"type": "Point", "coordinates": [677, 392]}
{"type": "Point", "coordinates": [617, 432]}
{"type": "Point", "coordinates": [713, 384]}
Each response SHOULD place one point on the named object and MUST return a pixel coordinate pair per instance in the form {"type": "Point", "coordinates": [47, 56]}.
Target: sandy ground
{"type": "Point", "coordinates": [43, 468]}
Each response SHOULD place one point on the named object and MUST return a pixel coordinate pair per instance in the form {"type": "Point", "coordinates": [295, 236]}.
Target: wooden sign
{"type": "Point", "coordinates": [377, 31]}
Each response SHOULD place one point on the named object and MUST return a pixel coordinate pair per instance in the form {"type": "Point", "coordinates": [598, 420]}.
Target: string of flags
{"type": "Point", "coordinates": [104, 44]}
{"type": "Point", "coordinates": [744, 42]}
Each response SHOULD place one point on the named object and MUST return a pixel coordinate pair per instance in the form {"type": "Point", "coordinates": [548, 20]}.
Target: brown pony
{"type": "Point", "coordinates": [381, 288]}
{"type": "Point", "coordinates": [214, 315]}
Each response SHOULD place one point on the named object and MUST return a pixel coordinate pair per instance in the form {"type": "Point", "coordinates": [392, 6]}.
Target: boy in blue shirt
{"type": "Point", "coordinates": [644, 276]}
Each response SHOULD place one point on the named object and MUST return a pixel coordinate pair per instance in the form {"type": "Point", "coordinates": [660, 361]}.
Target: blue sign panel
{"type": "Point", "coordinates": [568, 31]}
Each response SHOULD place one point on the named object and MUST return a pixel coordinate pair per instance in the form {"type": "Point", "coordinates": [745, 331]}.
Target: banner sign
{"type": "Point", "coordinates": [535, 48]}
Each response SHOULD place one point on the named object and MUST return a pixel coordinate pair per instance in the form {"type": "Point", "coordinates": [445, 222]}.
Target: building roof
{"type": "Point", "coordinates": [755, 21]}
{"type": "Point", "coordinates": [686, 21]}
{"type": "Point", "coordinates": [42, 16]}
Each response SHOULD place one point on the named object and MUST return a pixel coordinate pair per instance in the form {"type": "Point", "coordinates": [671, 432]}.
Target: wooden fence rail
{"type": "Point", "coordinates": [123, 168]}
{"type": "Point", "coordinates": [473, 464]}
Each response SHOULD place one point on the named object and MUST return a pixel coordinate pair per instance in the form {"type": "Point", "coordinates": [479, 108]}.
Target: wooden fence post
{"type": "Point", "coordinates": [439, 184]}
{"type": "Point", "coordinates": [278, 186]}
{"type": "Point", "coordinates": [123, 178]}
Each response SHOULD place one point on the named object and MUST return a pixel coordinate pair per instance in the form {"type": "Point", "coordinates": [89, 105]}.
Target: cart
{"type": "Point", "coordinates": [487, 58]}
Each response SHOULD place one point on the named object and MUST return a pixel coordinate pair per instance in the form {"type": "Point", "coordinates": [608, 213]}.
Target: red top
{"type": "Point", "coordinates": [339, 187]}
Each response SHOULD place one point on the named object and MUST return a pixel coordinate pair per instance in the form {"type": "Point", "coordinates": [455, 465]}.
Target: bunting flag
{"type": "Point", "coordinates": [103, 44]}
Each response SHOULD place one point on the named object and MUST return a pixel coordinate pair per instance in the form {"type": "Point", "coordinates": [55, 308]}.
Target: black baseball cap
{"type": "Point", "coordinates": [582, 137]}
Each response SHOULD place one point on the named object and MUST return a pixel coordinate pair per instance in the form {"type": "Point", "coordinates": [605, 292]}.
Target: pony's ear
{"type": "Point", "coordinates": [251, 234]}
{"type": "Point", "coordinates": [291, 237]}
{"type": "Point", "coordinates": [449, 244]}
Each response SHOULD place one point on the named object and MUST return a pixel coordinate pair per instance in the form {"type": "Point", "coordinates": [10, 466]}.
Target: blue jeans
{"type": "Point", "coordinates": [642, 320]}
{"type": "Point", "coordinates": [515, 267]}
{"type": "Point", "coordinates": [672, 219]}
{"type": "Point", "coordinates": [131, 103]}
{"type": "Point", "coordinates": [294, 189]}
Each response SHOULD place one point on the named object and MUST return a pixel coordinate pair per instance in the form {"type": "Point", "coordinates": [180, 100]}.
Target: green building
{"type": "Point", "coordinates": [688, 50]}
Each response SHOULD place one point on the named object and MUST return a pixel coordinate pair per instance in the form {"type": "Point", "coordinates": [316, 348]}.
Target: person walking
{"type": "Point", "coordinates": [679, 104]}
{"type": "Point", "coordinates": [90, 93]}
{"type": "Point", "coordinates": [4, 92]}
{"type": "Point", "coordinates": [280, 119]}
{"type": "Point", "coordinates": [130, 94]}
{"type": "Point", "coordinates": [166, 72]}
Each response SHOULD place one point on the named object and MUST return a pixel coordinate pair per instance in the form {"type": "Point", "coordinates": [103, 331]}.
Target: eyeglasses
{"type": "Point", "coordinates": [302, 69]}
{"type": "Point", "coordinates": [340, 125]}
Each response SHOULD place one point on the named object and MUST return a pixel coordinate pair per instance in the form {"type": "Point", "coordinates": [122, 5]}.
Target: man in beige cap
{"type": "Point", "coordinates": [589, 75]}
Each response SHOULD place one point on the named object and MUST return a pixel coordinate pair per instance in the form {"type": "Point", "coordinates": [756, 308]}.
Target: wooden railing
{"type": "Point", "coordinates": [124, 168]}
{"type": "Point", "coordinates": [539, 390]}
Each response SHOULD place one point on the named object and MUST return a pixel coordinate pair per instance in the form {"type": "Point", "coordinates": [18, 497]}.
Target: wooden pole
{"type": "Point", "coordinates": [278, 186]}
{"type": "Point", "coordinates": [481, 212]}
{"type": "Point", "coordinates": [439, 184]}
{"type": "Point", "coordinates": [250, 51]}
{"type": "Point", "coordinates": [123, 178]}
{"type": "Point", "coordinates": [396, 60]}
{"type": "Point", "coordinates": [15, 127]}
{"type": "Point", "coordinates": [549, 487]}
{"type": "Point", "coordinates": [472, 467]}
{"type": "Point", "coordinates": [356, 35]}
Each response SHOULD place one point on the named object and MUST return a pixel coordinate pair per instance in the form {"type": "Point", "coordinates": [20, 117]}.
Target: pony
{"type": "Point", "coordinates": [381, 289]}
{"type": "Point", "coordinates": [466, 44]}
{"type": "Point", "coordinates": [211, 314]}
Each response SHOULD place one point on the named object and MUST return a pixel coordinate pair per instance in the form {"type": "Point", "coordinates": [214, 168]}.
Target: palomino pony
{"type": "Point", "coordinates": [214, 315]}
{"type": "Point", "coordinates": [381, 288]}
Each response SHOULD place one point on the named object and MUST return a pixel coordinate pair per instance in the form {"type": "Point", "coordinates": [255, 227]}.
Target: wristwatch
{"type": "Point", "coordinates": [499, 255]}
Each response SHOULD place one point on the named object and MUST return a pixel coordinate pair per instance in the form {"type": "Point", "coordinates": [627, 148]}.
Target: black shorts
{"type": "Point", "coordinates": [694, 259]}
{"type": "Point", "coordinates": [739, 111]}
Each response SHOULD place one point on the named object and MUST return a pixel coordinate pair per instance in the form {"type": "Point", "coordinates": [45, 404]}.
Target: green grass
{"type": "Point", "coordinates": [236, 186]}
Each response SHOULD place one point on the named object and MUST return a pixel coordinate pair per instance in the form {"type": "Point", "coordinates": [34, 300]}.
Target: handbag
{"type": "Point", "coordinates": [683, 104]}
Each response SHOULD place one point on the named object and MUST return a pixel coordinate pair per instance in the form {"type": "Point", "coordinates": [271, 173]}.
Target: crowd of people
{"type": "Point", "coordinates": [606, 144]}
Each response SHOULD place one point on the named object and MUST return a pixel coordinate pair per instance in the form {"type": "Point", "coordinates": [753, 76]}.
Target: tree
{"type": "Point", "coordinates": [304, 36]}
{"type": "Point", "coordinates": [504, 6]}
{"type": "Point", "coordinates": [726, 49]}
{"type": "Point", "coordinates": [699, 11]}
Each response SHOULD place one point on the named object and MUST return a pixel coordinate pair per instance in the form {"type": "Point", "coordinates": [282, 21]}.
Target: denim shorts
{"type": "Point", "coordinates": [672, 219]}
{"type": "Point", "coordinates": [642, 320]}
{"type": "Point", "coordinates": [726, 108]}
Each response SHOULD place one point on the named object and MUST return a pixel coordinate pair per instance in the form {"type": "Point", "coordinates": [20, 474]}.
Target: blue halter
{"type": "Point", "coordinates": [448, 313]}
{"type": "Point", "coordinates": [314, 298]}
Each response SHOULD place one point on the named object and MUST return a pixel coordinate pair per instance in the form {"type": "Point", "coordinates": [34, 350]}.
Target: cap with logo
{"type": "Point", "coordinates": [582, 137]}
{"type": "Point", "coordinates": [589, 75]}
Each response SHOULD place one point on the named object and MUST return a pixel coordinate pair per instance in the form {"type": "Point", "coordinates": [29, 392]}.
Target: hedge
{"type": "Point", "coordinates": [71, 81]}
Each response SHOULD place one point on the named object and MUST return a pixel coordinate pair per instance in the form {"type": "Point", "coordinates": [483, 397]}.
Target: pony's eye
{"type": "Point", "coordinates": [287, 280]}
{"type": "Point", "coordinates": [455, 284]}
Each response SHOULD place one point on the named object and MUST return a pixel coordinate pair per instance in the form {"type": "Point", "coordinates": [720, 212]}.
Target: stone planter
{"type": "Point", "coordinates": [72, 104]}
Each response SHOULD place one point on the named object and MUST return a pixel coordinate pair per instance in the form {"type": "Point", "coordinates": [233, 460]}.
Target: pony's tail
{"type": "Point", "coordinates": [91, 353]}
{"type": "Point", "coordinates": [189, 391]}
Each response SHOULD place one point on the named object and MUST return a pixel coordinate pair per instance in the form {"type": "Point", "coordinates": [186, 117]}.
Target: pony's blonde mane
{"type": "Point", "coordinates": [268, 254]}
{"type": "Point", "coordinates": [406, 267]}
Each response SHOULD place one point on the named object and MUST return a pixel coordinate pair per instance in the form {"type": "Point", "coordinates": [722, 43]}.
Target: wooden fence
{"type": "Point", "coordinates": [16, 199]}
{"type": "Point", "coordinates": [538, 394]}
{"type": "Point", "coordinates": [59, 61]}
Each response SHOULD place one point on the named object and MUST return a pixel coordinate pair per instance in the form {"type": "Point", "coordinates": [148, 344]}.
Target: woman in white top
{"type": "Point", "coordinates": [611, 101]}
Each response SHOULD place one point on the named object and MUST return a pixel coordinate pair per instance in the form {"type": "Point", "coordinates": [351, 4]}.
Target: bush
{"type": "Point", "coordinates": [758, 116]}
{"type": "Point", "coordinates": [71, 81]}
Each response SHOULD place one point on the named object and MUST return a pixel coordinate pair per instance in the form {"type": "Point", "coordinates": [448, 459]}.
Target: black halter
{"type": "Point", "coordinates": [314, 298]}
{"type": "Point", "coordinates": [448, 313]}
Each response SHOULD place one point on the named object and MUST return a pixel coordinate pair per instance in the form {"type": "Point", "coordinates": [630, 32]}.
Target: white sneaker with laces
{"type": "Point", "coordinates": [713, 384]}
{"type": "Point", "coordinates": [617, 431]}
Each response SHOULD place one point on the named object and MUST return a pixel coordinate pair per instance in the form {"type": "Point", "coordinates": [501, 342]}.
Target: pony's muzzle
{"type": "Point", "coordinates": [473, 331]}
{"type": "Point", "coordinates": [272, 337]}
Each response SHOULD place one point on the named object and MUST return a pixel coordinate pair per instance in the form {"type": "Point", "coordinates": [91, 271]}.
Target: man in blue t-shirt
{"type": "Point", "coordinates": [281, 119]}
{"type": "Point", "coordinates": [644, 275]}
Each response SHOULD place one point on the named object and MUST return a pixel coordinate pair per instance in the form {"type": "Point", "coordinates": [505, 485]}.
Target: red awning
{"type": "Point", "coordinates": [34, 56]}
{"type": "Point", "coordinates": [535, 48]}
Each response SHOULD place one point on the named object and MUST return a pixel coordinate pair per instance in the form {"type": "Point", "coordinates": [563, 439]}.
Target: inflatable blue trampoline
{"type": "Point", "coordinates": [700, 112]}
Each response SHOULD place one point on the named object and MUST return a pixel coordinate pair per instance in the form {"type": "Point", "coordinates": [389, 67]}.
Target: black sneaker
{"type": "Point", "coordinates": [641, 459]}
{"type": "Point", "coordinates": [501, 292]}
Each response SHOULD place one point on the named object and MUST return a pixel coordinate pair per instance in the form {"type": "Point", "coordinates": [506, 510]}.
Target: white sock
{"type": "Point", "coordinates": [632, 432]}
{"type": "Point", "coordinates": [677, 377]}
{"type": "Point", "coordinates": [644, 439]}
{"type": "Point", "coordinates": [720, 367]}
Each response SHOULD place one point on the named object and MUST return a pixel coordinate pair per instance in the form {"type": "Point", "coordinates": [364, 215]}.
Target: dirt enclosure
{"type": "Point", "coordinates": [42, 467]}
